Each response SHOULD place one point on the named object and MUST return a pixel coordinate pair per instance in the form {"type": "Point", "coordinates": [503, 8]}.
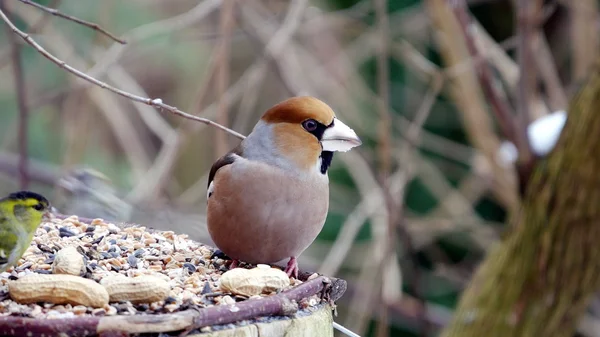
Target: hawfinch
{"type": "Point", "coordinates": [268, 198]}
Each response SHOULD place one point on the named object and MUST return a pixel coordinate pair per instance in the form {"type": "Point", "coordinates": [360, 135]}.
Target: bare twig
{"type": "Point", "coordinates": [527, 14]}
{"type": "Point", "coordinates": [584, 36]}
{"type": "Point", "coordinates": [169, 25]}
{"type": "Point", "coordinates": [274, 47]}
{"type": "Point", "coordinates": [500, 107]}
{"type": "Point", "coordinates": [383, 89]}
{"type": "Point", "coordinates": [91, 25]}
{"type": "Point", "coordinates": [528, 19]}
{"type": "Point", "coordinates": [274, 64]}
{"type": "Point", "coordinates": [21, 96]}
{"type": "Point", "coordinates": [226, 27]}
{"type": "Point", "coordinates": [557, 98]}
{"type": "Point", "coordinates": [44, 19]}
{"type": "Point", "coordinates": [410, 251]}
{"type": "Point", "coordinates": [512, 130]}
{"type": "Point", "coordinates": [157, 175]}
{"type": "Point", "coordinates": [280, 304]}
{"type": "Point", "coordinates": [157, 103]}
{"type": "Point", "coordinates": [371, 204]}
{"type": "Point", "coordinates": [248, 101]}
{"type": "Point", "coordinates": [204, 86]}
{"type": "Point", "coordinates": [466, 93]}
{"type": "Point", "coordinates": [137, 34]}
{"type": "Point", "coordinates": [273, 305]}
{"type": "Point", "coordinates": [275, 42]}
{"type": "Point", "coordinates": [366, 181]}
{"type": "Point", "coordinates": [122, 125]}
{"type": "Point", "coordinates": [39, 171]}
{"type": "Point", "coordinates": [385, 155]}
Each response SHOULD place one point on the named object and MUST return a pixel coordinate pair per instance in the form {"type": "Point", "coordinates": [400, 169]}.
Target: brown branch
{"type": "Point", "coordinates": [526, 13]}
{"type": "Point", "coordinates": [189, 320]}
{"type": "Point", "coordinates": [383, 89]}
{"type": "Point", "coordinates": [41, 23]}
{"type": "Point", "coordinates": [584, 37]}
{"type": "Point", "coordinates": [38, 171]}
{"type": "Point", "coordinates": [282, 304]}
{"type": "Point", "coordinates": [410, 250]}
{"type": "Point", "coordinates": [277, 43]}
{"type": "Point", "coordinates": [91, 25]}
{"type": "Point", "coordinates": [226, 27]}
{"type": "Point", "coordinates": [466, 93]}
{"type": "Point", "coordinates": [511, 128]}
{"type": "Point", "coordinates": [528, 19]}
{"type": "Point", "coordinates": [157, 103]}
{"type": "Point", "coordinates": [136, 35]}
{"type": "Point", "coordinates": [546, 66]}
{"type": "Point", "coordinates": [21, 96]}
{"type": "Point", "coordinates": [501, 108]}
{"type": "Point", "coordinates": [385, 151]}
{"type": "Point", "coordinates": [273, 63]}
{"type": "Point", "coordinates": [527, 22]}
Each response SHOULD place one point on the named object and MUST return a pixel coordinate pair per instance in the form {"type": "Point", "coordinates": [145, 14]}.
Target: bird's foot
{"type": "Point", "coordinates": [234, 264]}
{"type": "Point", "coordinates": [292, 267]}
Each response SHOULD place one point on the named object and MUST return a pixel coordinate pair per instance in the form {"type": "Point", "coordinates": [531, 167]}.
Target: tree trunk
{"type": "Point", "coordinates": [539, 280]}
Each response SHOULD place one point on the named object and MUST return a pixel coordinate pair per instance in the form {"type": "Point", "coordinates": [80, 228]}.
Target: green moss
{"type": "Point", "coordinates": [537, 282]}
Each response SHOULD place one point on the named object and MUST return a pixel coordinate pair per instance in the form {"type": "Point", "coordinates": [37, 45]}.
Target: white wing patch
{"type": "Point", "coordinates": [3, 260]}
{"type": "Point", "coordinates": [210, 190]}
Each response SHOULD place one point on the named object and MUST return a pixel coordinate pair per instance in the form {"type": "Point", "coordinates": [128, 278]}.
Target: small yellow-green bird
{"type": "Point", "coordinates": [20, 215]}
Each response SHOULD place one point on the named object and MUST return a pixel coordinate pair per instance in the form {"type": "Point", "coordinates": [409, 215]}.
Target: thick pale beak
{"type": "Point", "coordinates": [339, 137]}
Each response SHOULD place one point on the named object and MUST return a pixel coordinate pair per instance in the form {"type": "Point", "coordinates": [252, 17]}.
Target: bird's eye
{"type": "Point", "coordinates": [310, 125]}
{"type": "Point", "coordinates": [38, 207]}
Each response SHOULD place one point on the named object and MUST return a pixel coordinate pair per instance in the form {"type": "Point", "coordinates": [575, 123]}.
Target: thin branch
{"type": "Point", "coordinates": [21, 96]}
{"type": "Point", "coordinates": [526, 13]}
{"type": "Point", "coordinates": [383, 88]}
{"type": "Point", "coordinates": [39, 171]}
{"type": "Point", "coordinates": [385, 156]}
{"type": "Point", "coordinates": [500, 107]}
{"type": "Point", "coordinates": [152, 29]}
{"type": "Point", "coordinates": [370, 205]}
{"type": "Point", "coordinates": [226, 27]}
{"type": "Point", "coordinates": [41, 23]}
{"type": "Point", "coordinates": [91, 25]}
{"type": "Point", "coordinates": [289, 87]}
{"type": "Point", "coordinates": [546, 66]}
{"type": "Point", "coordinates": [281, 304]}
{"type": "Point", "coordinates": [511, 129]}
{"type": "Point", "coordinates": [123, 126]}
{"type": "Point", "coordinates": [584, 36]}
{"type": "Point", "coordinates": [527, 22]}
{"type": "Point", "coordinates": [136, 35]}
{"type": "Point", "coordinates": [276, 42]}
{"type": "Point", "coordinates": [466, 93]}
{"type": "Point", "coordinates": [412, 136]}
{"type": "Point", "coordinates": [157, 102]}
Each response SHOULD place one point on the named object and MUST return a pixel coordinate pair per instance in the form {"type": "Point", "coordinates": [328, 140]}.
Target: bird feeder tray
{"type": "Point", "coordinates": [87, 277]}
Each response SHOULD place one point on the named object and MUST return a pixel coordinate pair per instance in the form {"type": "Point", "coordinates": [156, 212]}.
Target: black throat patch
{"type": "Point", "coordinates": [326, 157]}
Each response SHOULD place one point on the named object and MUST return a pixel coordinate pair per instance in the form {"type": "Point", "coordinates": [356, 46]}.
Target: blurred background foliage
{"type": "Point", "coordinates": [449, 211]}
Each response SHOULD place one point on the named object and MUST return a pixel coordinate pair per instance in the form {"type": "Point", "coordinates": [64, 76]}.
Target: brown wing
{"type": "Point", "coordinates": [227, 159]}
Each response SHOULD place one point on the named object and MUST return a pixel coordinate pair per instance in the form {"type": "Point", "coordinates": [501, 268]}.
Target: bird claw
{"type": "Point", "coordinates": [234, 264]}
{"type": "Point", "coordinates": [292, 267]}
